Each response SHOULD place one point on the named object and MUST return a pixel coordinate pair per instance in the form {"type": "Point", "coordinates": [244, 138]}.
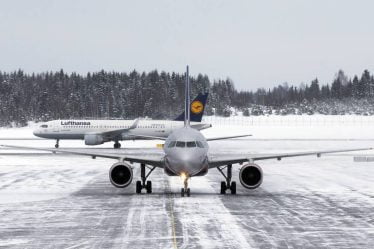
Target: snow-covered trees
{"type": "Point", "coordinates": [58, 95]}
{"type": "Point", "coordinates": [54, 95]}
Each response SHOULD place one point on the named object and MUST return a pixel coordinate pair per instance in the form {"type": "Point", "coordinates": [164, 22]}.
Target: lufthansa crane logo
{"type": "Point", "coordinates": [197, 107]}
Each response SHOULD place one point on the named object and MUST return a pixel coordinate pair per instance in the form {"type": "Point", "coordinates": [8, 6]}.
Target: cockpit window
{"type": "Point", "coordinates": [191, 144]}
{"type": "Point", "coordinates": [200, 144]}
{"type": "Point", "coordinates": [44, 126]}
{"type": "Point", "coordinates": [172, 144]}
{"type": "Point", "coordinates": [181, 144]}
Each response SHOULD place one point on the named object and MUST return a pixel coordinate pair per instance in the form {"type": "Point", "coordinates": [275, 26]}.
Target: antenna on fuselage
{"type": "Point", "coordinates": [187, 104]}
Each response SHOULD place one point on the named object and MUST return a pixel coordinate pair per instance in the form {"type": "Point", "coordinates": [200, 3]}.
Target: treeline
{"type": "Point", "coordinates": [58, 95]}
{"type": "Point", "coordinates": [341, 88]}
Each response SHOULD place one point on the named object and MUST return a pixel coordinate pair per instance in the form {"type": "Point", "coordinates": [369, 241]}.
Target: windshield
{"type": "Point", "coordinates": [44, 126]}
{"type": "Point", "coordinates": [181, 144]}
{"type": "Point", "coordinates": [172, 144]}
{"type": "Point", "coordinates": [200, 144]}
{"type": "Point", "coordinates": [191, 144]}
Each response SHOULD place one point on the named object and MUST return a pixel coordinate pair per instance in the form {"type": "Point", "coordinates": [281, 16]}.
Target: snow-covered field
{"type": "Point", "coordinates": [60, 201]}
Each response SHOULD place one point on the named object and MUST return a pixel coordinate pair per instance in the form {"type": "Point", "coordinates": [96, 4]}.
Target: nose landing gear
{"type": "Point", "coordinates": [186, 189]}
{"type": "Point", "coordinates": [228, 184]}
{"type": "Point", "coordinates": [57, 143]}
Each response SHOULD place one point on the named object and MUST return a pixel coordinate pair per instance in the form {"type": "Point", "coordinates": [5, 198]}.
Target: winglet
{"type": "Point", "coordinates": [135, 124]}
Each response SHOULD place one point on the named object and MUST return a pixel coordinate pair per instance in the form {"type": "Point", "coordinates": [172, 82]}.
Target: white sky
{"type": "Point", "coordinates": [255, 43]}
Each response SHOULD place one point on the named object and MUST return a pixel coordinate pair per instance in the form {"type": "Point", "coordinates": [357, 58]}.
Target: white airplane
{"type": "Point", "coordinates": [95, 132]}
{"type": "Point", "coordinates": [186, 154]}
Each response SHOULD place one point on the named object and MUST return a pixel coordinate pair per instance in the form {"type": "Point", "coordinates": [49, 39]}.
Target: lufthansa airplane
{"type": "Point", "coordinates": [95, 132]}
{"type": "Point", "coordinates": [186, 154]}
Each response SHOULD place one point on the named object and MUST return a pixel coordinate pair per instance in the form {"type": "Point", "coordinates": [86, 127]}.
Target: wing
{"type": "Point", "coordinates": [18, 138]}
{"type": "Point", "coordinates": [118, 132]}
{"type": "Point", "coordinates": [221, 138]}
{"type": "Point", "coordinates": [153, 160]}
{"type": "Point", "coordinates": [147, 137]}
{"type": "Point", "coordinates": [208, 139]}
{"type": "Point", "coordinates": [221, 160]}
{"type": "Point", "coordinates": [200, 126]}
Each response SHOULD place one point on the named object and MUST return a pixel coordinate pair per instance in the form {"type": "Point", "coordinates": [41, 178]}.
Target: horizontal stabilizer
{"type": "Point", "coordinates": [222, 138]}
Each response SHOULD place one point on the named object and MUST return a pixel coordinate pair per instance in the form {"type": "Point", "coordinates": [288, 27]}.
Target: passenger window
{"type": "Point", "coordinates": [181, 144]}
{"type": "Point", "coordinates": [172, 144]}
{"type": "Point", "coordinates": [199, 144]}
{"type": "Point", "coordinates": [191, 144]}
{"type": "Point", "coordinates": [44, 126]}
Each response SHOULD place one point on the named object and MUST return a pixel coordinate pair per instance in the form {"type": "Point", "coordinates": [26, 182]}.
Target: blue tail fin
{"type": "Point", "coordinates": [197, 108]}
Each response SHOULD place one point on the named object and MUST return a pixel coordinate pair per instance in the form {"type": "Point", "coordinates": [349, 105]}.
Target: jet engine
{"type": "Point", "coordinates": [120, 174]}
{"type": "Point", "coordinates": [93, 139]}
{"type": "Point", "coordinates": [250, 176]}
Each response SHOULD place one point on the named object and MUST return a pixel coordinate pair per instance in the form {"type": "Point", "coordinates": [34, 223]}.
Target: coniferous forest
{"type": "Point", "coordinates": [58, 95]}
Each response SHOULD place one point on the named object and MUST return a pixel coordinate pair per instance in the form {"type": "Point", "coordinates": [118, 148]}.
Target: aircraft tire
{"type": "Point", "coordinates": [149, 187]}
{"type": "Point", "coordinates": [138, 187]}
{"type": "Point", "coordinates": [188, 192]}
{"type": "Point", "coordinates": [182, 192]}
{"type": "Point", "coordinates": [233, 188]}
{"type": "Point", "coordinates": [223, 188]}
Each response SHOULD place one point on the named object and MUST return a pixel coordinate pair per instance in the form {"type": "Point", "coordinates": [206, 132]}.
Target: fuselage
{"type": "Point", "coordinates": [77, 129]}
{"type": "Point", "coordinates": [186, 153]}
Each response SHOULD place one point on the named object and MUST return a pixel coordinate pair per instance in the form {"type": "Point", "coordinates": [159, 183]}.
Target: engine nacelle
{"type": "Point", "coordinates": [250, 176]}
{"type": "Point", "coordinates": [120, 174]}
{"type": "Point", "coordinates": [93, 139]}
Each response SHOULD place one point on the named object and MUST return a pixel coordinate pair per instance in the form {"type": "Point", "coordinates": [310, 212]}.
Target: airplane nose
{"type": "Point", "coordinates": [190, 165]}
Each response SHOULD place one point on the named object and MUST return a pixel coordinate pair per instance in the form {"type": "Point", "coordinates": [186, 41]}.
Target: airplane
{"type": "Point", "coordinates": [186, 154]}
{"type": "Point", "coordinates": [95, 132]}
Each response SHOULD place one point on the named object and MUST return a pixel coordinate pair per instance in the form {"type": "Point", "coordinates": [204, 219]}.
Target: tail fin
{"type": "Point", "coordinates": [187, 103]}
{"type": "Point", "coordinates": [197, 108]}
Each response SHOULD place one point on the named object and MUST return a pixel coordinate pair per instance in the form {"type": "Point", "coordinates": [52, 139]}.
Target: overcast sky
{"type": "Point", "coordinates": [255, 43]}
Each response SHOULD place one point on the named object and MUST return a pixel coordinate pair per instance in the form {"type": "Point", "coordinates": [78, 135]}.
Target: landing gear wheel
{"type": "Point", "coordinates": [233, 188]}
{"type": "Point", "coordinates": [182, 192]}
{"type": "Point", "coordinates": [57, 144]}
{"type": "Point", "coordinates": [188, 192]}
{"type": "Point", "coordinates": [223, 188]}
{"type": "Point", "coordinates": [138, 187]}
{"type": "Point", "coordinates": [149, 187]}
{"type": "Point", "coordinates": [117, 145]}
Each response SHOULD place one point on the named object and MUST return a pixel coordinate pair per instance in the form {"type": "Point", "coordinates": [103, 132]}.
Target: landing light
{"type": "Point", "coordinates": [183, 176]}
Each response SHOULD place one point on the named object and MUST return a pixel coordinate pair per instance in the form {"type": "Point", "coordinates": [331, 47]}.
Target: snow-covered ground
{"type": "Point", "coordinates": [61, 201]}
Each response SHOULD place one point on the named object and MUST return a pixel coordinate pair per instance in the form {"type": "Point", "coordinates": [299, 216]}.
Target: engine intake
{"type": "Point", "coordinates": [120, 174]}
{"type": "Point", "coordinates": [250, 176]}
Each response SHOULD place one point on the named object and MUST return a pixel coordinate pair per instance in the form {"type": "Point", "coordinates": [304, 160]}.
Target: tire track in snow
{"type": "Point", "coordinates": [202, 221]}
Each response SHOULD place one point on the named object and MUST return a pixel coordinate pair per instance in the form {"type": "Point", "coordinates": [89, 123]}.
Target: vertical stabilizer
{"type": "Point", "coordinates": [197, 108]}
{"type": "Point", "coordinates": [187, 103]}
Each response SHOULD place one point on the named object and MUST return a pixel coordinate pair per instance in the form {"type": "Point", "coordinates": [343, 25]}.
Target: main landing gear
{"type": "Point", "coordinates": [144, 183]}
{"type": "Point", "coordinates": [228, 184]}
{"type": "Point", "coordinates": [186, 189]}
{"type": "Point", "coordinates": [116, 145]}
{"type": "Point", "coordinates": [57, 143]}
